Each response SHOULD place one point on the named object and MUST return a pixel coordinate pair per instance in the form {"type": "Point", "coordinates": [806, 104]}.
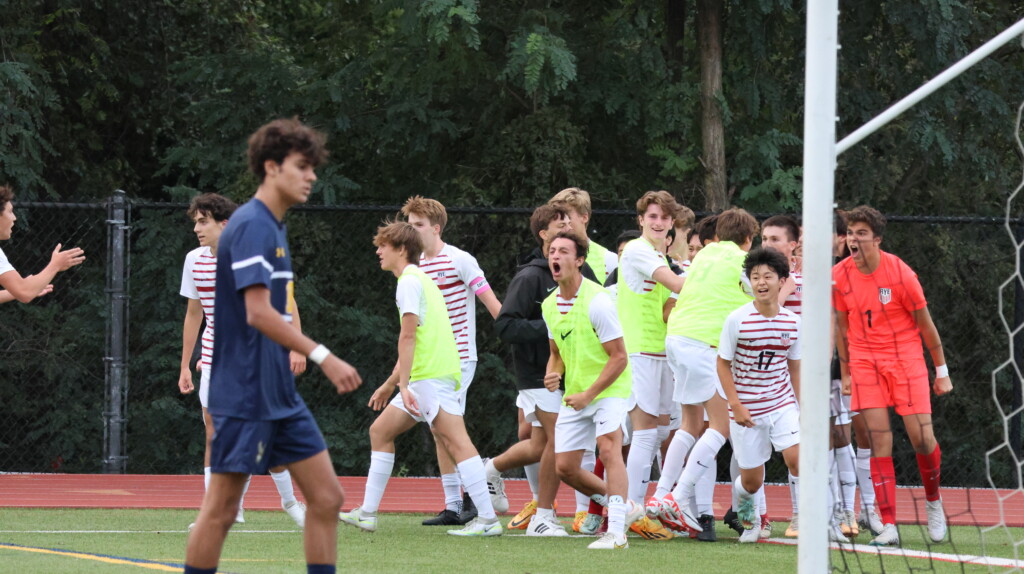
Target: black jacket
{"type": "Point", "coordinates": [521, 322]}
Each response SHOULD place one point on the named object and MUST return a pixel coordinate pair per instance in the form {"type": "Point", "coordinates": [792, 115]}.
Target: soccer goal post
{"type": "Point", "coordinates": [820, 152]}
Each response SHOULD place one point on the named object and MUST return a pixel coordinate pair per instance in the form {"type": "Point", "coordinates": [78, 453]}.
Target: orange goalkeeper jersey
{"type": "Point", "coordinates": [879, 307]}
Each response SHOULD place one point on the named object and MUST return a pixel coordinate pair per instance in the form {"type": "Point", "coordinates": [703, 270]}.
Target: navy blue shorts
{"type": "Point", "coordinates": [253, 447]}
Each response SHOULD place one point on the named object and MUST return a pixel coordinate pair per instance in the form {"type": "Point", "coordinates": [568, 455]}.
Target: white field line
{"type": "Point", "coordinates": [894, 551]}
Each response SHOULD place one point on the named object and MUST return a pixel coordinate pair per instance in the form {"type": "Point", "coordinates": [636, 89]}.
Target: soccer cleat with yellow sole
{"type": "Point", "coordinates": [522, 520]}
{"type": "Point", "coordinates": [651, 530]}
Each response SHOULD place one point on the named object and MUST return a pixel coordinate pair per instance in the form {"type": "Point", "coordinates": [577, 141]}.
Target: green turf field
{"type": "Point", "coordinates": [270, 542]}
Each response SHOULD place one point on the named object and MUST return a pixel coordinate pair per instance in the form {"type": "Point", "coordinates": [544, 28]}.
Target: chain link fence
{"type": "Point", "coordinates": [62, 416]}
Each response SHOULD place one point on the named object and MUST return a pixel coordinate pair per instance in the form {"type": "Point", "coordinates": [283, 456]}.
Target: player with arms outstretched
{"type": "Point", "coordinates": [260, 418]}
{"type": "Point", "coordinates": [881, 318]}
{"type": "Point", "coordinates": [25, 289]}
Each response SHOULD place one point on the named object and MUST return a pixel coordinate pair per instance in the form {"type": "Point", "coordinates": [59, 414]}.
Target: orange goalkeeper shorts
{"type": "Point", "coordinates": [883, 383]}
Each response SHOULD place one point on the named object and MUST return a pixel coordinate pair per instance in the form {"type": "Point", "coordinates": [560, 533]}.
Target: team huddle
{"type": "Point", "coordinates": [658, 352]}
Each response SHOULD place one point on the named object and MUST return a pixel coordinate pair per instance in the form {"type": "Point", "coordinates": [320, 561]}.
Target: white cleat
{"type": "Point", "coordinates": [750, 535]}
{"type": "Point", "coordinates": [936, 520]}
{"type": "Point", "coordinates": [633, 513]}
{"type": "Point", "coordinates": [870, 520]}
{"type": "Point", "coordinates": [545, 527]}
{"type": "Point", "coordinates": [478, 527]}
{"type": "Point", "coordinates": [356, 518]}
{"type": "Point", "coordinates": [297, 511]}
{"type": "Point", "coordinates": [888, 537]}
{"type": "Point", "coordinates": [240, 517]}
{"type": "Point", "coordinates": [610, 541]}
{"type": "Point", "coordinates": [496, 488]}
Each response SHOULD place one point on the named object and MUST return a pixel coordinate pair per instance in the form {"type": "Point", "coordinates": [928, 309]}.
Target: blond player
{"type": "Point", "coordinates": [461, 281]}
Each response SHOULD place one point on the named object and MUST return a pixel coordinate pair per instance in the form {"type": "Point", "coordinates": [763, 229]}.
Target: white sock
{"type": "Point", "coordinates": [794, 493]}
{"type": "Point", "coordinates": [701, 458]}
{"type": "Point", "coordinates": [381, 465]}
{"type": "Point", "coordinates": [452, 491]}
{"type": "Point", "coordinates": [532, 473]}
{"type": "Point", "coordinates": [638, 464]}
{"type": "Point", "coordinates": [582, 500]}
{"type": "Point", "coordinates": [617, 515]}
{"type": "Point", "coordinates": [663, 432]}
{"type": "Point", "coordinates": [283, 482]}
{"type": "Point", "coordinates": [762, 501]}
{"type": "Point", "coordinates": [741, 493]}
{"type": "Point", "coordinates": [833, 479]}
{"type": "Point", "coordinates": [245, 489]}
{"type": "Point", "coordinates": [680, 446]}
{"type": "Point", "coordinates": [600, 499]}
{"type": "Point", "coordinates": [206, 478]}
{"type": "Point", "coordinates": [867, 489]}
{"type": "Point", "coordinates": [845, 460]}
{"type": "Point", "coordinates": [548, 513]}
{"type": "Point", "coordinates": [705, 490]}
{"type": "Point", "coordinates": [475, 484]}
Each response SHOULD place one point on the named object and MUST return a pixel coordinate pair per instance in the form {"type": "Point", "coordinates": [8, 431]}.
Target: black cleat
{"type": "Point", "coordinates": [468, 510]}
{"type": "Point", "coordinates": [444, 518]}
{"type": "Point", "coordinates": [707, 523]}
{"type": "Point", "coordinates": [732, 520]}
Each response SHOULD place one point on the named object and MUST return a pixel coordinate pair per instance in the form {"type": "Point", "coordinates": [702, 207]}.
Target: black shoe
{"type": "Point", "coordinates": [468, 510]}
{"type": "Point", "coordinates": [444, 518]}
{"type": "Point", "coordinates": [732, 520]}
{"type": "Point", "coordinates": [707, 524]}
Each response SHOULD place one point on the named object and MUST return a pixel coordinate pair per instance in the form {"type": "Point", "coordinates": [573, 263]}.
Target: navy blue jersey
{"type": "Point", "coordinates": [251, 377]}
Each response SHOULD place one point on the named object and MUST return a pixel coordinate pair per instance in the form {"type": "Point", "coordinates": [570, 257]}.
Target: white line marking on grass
{"type": "Point", "coordinates": [896, 551]}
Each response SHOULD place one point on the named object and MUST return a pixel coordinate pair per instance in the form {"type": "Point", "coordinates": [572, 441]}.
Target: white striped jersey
{"type": "Point", "coordinates": [759, 349]}
{"type": "Point", "coordinates": [795, 300]}
{"type": "Point", "coordinates": [198, 279]}
{"type": "Point", "coordinates": [460, 279]}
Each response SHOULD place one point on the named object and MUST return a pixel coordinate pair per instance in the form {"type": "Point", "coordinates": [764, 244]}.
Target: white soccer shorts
{"type": "Point", "coordinates": [675, 418]}
{"type": "Point", "coordinates": [532, 399]}
{"type": "Point", "coordinates": [468, 371]}
{"type": "Point", "coordinates": [652, 385]}
{"type": "Point", "coordinates": [578, 430]}
{"type": "Point", "coordinates": [839, 403]}
{"type": "Point", "coordinates": [432, 396]}
{"type": "Point", "coordinates": [753, 446]}
{"type": "Point", "coordinates": [694, 365]}
{"type": "Point", "coordinates": [204, 387]}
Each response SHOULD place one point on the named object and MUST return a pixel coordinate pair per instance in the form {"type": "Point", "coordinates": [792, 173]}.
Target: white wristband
{"type": "Point", "coordinates": [319, 354]}
{"type": "Point", "coordinates": [941, 371]}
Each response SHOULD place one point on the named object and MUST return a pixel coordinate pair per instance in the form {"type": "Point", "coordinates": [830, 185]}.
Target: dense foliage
{"type": "Point", "coordinates": [494, 103]}
{"type": "Point", "coordinates": [477, 104]}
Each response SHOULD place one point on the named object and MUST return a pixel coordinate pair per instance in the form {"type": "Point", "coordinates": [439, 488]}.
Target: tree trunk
{"type": "Point", "coordinates": [675, 30]}
{"type": "Point", "coordinates": [709, 34]}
